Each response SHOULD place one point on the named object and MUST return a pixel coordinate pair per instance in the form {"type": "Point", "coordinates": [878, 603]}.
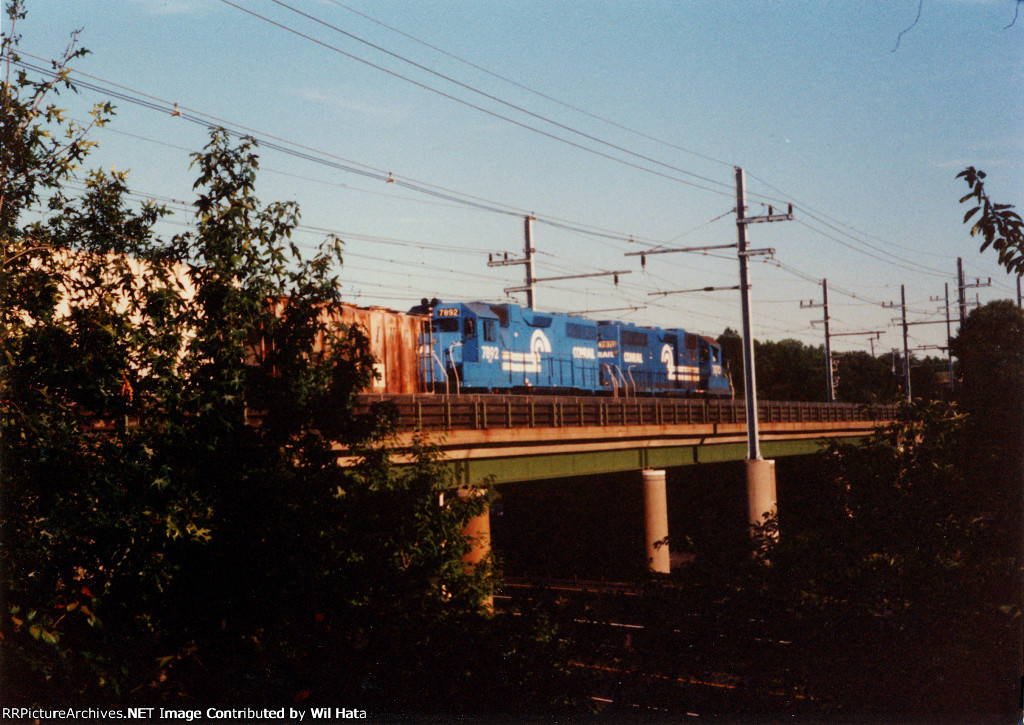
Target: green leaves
{"type": "Point", "coordinates": [171, 412]}
{"type": "Point", "coordinates": [1000, 228]}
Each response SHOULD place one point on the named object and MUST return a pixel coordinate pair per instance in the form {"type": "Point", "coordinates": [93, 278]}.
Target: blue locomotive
{"type": "Point", "coordinates": [482, 347]}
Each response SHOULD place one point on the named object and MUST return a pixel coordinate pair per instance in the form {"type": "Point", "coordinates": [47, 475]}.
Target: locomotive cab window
{"type": "Point", "coordinates": [502, 314]}
{"type": "Point", "coordinates": [470, 327]}
{"type": "Point", "coordinates": [490, 331]}
{"type": "Point", "coordinates": [446, 324]}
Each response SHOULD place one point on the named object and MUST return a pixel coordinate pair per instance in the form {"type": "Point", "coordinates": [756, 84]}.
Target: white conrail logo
{"type": "Point", "coordinates": [682, 373]}
{"type": "Point", "coordinates": [526, 362]}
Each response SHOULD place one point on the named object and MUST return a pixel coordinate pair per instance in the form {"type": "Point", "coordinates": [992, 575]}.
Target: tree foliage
{"type": "Point", "coordinates": [989, 349]}
{"type": "Point", "coordinates": [792, 370]}
{"type": "Point", "coordinates": [999, 226]}
{"type": "Point", "coordinates": [990, 361]}
{"type": "Point", "coordinates": [176, 525]}
{"type": "Point", "coordinates": [883, 599]}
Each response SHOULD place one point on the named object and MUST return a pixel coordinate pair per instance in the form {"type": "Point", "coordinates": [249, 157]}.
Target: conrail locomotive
{"type": "Point", "coordinates": [488, 348]}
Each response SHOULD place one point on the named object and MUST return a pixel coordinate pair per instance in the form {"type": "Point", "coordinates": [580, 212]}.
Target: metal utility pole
{"type": "Point", "coordinates": [828, 343]}
{"type": "Point", "coordinates": [527, 261]}
{"type": "Point", "coordinates": [749, 379]}
{"type": "Point", "coordinates": [960, 289]}
{"type": "Point", "coordinates": [963, 286]}
{"type": "Point", "coordinates": [528, 258]}
{"type": "Point", "coordinates": [760, 473]}
{"type": "Point", "coordinates": [906, 347]}
{"type": "Point", "coordinates": [531, 281]}
{"type": "Point", "coordinates": [761, 496]}
{"type": "Point", "coordinates": [749, 382]}
{"type": "Point", "coordinates": [949, 333]}
{"type": "Point", "coordinates": [1018, 293]}
{"type": "Point", "coordinates": [949, 338]}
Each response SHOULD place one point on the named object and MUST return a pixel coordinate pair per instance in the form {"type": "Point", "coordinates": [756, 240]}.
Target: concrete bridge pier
{"type": "Point", "coordinates": [478, 529]}
{"type": "Point", "coordinates": [761, 497]}
{"type": "Point", "coordinates": [656, 520]}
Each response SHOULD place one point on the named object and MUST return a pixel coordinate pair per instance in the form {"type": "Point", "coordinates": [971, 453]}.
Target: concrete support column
{"type": "Point", "coordinates": [656, 520]}
{"type": "Point", "coordinates": [761, 498]}
{"type": "Point", "coordinates": [478, 529]}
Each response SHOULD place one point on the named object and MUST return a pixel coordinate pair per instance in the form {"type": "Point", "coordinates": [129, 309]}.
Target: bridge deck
{"type": "Point", "coordinates": [520, 438]}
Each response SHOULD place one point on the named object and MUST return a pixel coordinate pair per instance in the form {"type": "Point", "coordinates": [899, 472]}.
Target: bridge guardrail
{"type": "Point", "coordinates": [478, 412]}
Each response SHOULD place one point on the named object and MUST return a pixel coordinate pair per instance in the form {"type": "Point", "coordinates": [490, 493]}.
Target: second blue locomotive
{"type": "Point", "coordinates": [481, 347]}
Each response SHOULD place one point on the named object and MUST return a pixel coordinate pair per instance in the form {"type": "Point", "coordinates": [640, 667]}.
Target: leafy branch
{"type": "Point", "coordinates": [1001, 227]}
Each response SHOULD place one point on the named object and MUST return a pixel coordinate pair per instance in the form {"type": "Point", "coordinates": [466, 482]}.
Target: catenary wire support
{"type": "Point", "coordinates": [743, 253]}
{"type": "Point", "coordinates": [963, 286]}
{"type": "Point", "coordinates": [906, 346]}
{"type": "Point", "coordinates": [530, 287]}
{"type": "Point", "coordinates": [526, 260]}
{"type": "Point", "coordinates": [760, 473]}
{"type": "Point", "coordinates": [695, 289]}
{"type": "Point", "coordinates": [829, 381]}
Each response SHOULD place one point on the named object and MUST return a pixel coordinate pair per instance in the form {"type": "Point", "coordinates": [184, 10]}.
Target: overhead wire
{"type": "Point", "coordinates": [462, 198]}
{"type": "Point", "coordinates": [488, 111]}
{"type": "Point", "coordinates": [915, 268]}
{"type": "Point", "coordinates": [815, 213]}
{"type": "Point", "coordinates": [535, 92]}
{"type": "Point", "coordinates": [496, 99]}
{"type": "Point", "coordinates": [308, 153]}
{"type": "Point", "coordinates": [353, 36]}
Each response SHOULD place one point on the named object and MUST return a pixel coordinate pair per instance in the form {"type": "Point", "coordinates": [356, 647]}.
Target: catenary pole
{"type": "Point", "coordinates": [906, 345]}
{"type": "Point", "coordinates": [749, 378]}
{"type": "Point", "coordinates": [761, 496]}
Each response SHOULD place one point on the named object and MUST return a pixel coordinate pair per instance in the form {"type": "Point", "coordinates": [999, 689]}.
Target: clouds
{"type": "Point", "coordinates": [352, 103]}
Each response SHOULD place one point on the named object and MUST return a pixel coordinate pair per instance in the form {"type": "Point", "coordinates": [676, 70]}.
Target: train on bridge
{"type": "Point", "coordinates": [479, 347]}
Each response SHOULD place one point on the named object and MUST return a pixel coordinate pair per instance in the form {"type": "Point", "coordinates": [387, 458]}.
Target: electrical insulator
{"type": "Point", "coordinates": [643, 261]}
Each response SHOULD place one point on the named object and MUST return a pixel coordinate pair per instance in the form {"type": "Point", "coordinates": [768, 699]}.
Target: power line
{"type": "Point", "coordinates": [877, 249]}
{"type": "Point", "coordinates": [308, 153]}
{"type": "Point", "coordinates": [811, 212]}
{"type": "Point", "coordinates": [820, 220]}
{"type": "Point", "coordinates": [495, 114]}
{"type": "Point", "coordinates": [489, 96]}
{"type": "Point", "coordinates": [534, 91]}
{"type": "Point", "coordinates": [916, 268]}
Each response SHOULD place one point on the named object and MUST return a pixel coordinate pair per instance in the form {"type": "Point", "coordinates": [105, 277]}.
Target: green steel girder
{"type": "Point", "coordinates": [513, 469]}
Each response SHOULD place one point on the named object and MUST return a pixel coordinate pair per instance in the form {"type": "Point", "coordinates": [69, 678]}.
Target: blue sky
{"type": "Point", "coordinates": [813, 99]}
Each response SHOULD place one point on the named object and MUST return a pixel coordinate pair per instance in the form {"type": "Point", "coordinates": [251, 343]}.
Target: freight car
{"type": "Point", "coordinates": [393, 338]}
{"type": "Point", "coordinates": [481, 347]}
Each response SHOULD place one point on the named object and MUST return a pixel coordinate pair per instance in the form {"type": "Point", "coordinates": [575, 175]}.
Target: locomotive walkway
{"type": "Point", "coordinates": [510, 438]}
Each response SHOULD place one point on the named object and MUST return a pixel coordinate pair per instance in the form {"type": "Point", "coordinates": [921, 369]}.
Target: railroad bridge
{"type": "Point", "coordinates": [512, 438]}
{"type": "Point", "coordinates": [503, 439]}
